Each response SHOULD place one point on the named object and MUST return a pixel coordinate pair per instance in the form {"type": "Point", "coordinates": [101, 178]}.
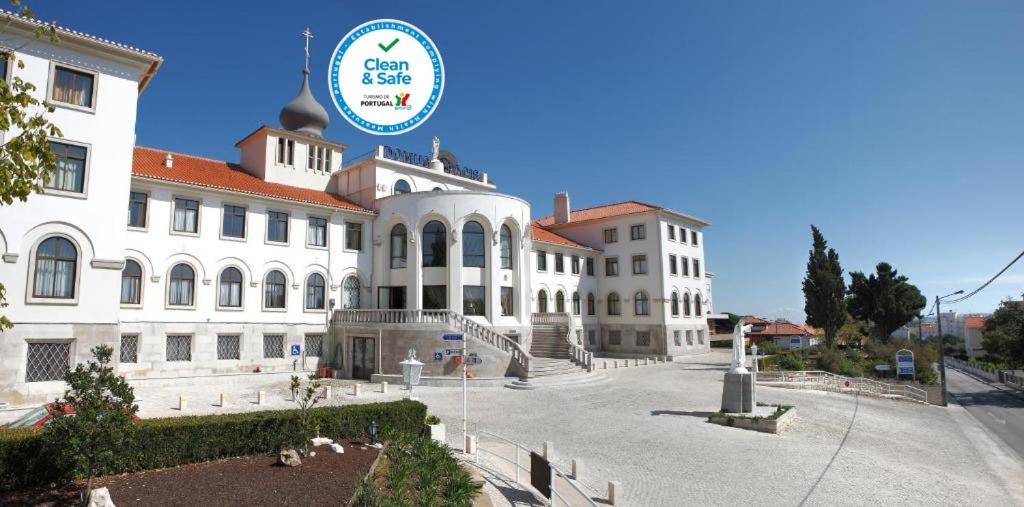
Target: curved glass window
{"type": "Point", "coordinates": [560, 302]}
{"type": "Point", "coordinates": [56, 262]}
{"type": "Point", "coordinates": [230, 290]}
{"type": "Point", "coordinates": [315, 292]}
{"type": "Point", "coordinates": [435, 245]}
{"type": "Point", "coordinates": [674, 304]}
{"type": "Point", "coordinates": [399, 246]}
{"type": "Point", "coordinates": [182, 286]}
{"type": "Point", "coordinates": [131, 283]}
{"type": "Point", "coordinates": [274, 290]}
{"type": "Point", "coordinates": [575, 303]}
{"type": "Point", "coordinates": [542, 302]}
{"type": "Point", "coordinates": [351, 290]}
{"type": "Point", "coordinates": [613, 304]}
{"type": "Point", "coordinates": [506, 247]}
{"type": "Point", "coordinates": [696, 305]}
{"type": "Point", "coordinates": [402, 187]}
{"type": "Point", "coordinates": [686, 305]}
{"type": "Point", "coordinates": [473, 245]}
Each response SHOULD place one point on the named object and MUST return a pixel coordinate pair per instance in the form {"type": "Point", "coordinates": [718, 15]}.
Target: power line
{"type": "Point", "coordinates": [990, 280]}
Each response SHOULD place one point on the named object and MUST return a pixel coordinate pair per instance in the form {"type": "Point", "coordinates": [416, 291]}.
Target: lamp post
{"type": "Point", "coordinates": [942, 342]}
{"type": "Point", "coordinates": [372, 430]}
{"type": "Point", "coordinates": [411, 370]}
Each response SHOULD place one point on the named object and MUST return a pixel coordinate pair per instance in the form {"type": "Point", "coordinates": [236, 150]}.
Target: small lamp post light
{"type": "Point", "coordinates": [372, 430]}
{"type": "Point", "coordinates": [753, 352]}
{"type": "Point", "coordinates": [411, 370]}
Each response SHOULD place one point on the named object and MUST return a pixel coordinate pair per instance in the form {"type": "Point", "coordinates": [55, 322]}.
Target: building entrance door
{"type": "Point", "coordinates": [363, 357]}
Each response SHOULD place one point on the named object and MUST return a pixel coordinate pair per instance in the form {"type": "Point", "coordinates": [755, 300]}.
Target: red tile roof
{"type": "Point", "coordinates": [613, 210]}
{"type": "Point", "coordinates": [220, 175]}
{"type": "Point", "coordinates": [540, 234]}
{"type": "Point", "coordinates": [783, 329]}
{"type": "Point", "coordinates": [975, 322]}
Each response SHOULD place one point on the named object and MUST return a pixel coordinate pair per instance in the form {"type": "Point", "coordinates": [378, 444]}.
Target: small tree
{"type": "Point", "coordinates": [1003, 335]}
{"type": "Point", "coordinates": [885, 299]}
{"type": "Point", "coordinates": [305, 396]}
{"type": "Point", "coordinates": [103, 405]}
{"type": "Point", "coordinates": [824, 289]}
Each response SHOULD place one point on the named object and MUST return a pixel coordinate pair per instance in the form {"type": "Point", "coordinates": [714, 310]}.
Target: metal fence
{"type": "Point", "coordinates": [512, 459]}
{"type": "Point", "coordinates": [1009, 378]}
{"type": "Point", "coordinates": [825, 381]}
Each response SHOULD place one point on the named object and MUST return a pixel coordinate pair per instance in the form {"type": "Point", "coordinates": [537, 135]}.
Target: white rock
{"type": "Point", "coordinates": [312, 454]}
{"type": "Point", "coordinates": [100, 497]}
{"type": "Point", "coordinates": [318, 441]}
{"type": "Point", "coordinates": [337, 448]}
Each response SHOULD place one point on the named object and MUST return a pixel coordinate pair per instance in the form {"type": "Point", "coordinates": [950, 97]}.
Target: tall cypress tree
{"type": "Point", "coordinates": [824, 289]}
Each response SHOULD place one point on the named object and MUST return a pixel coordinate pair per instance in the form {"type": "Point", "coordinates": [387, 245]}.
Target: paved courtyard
{"type": "Point", "coordinates": [645, 426]}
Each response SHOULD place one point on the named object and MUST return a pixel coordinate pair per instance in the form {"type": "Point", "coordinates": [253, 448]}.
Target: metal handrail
{"type": "Point", "coordinates": [520, 357]}
{"type": "Point", "coordinates": [827, 381]}
{"type": "Point", "coordinates": [519, 447]}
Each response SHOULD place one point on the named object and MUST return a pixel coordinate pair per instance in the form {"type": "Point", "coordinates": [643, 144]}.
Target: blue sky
{"type": "Point", "coordinates": [896, 127]}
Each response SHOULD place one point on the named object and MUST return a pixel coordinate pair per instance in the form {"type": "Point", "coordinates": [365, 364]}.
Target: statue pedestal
{"type": "Point", "coordinates": [437, 165]}
{"type": "Point", "coordinates": [738, 393]}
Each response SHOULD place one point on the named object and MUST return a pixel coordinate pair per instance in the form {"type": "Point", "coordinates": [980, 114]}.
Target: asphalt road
{"type": "Point", "coordinates": [998, 409]}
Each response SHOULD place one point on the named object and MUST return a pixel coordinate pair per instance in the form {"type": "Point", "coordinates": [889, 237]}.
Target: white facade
{"type": "Point", "coordinates": [221, 261]}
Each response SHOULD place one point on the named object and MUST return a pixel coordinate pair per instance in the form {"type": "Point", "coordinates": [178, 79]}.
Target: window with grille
{"type": "Point", "coordinates": [47, 361]}
{"type": "Point", "coordinates": [643, 338]}
{"type": "Point", "coordinates": [129, 348]}
{"type": "Point", "coordinates": [179, 347]}
{"type": "Point", "coordinates": [228, 346]}
{"type": "Point", "coordinates": [273, 346]}
{"type": "Point", "coordinates": [614, 337]}
{"type": "Point", "coordinates": [314, 345]}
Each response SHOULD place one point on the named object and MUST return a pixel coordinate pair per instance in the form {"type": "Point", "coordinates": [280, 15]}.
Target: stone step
{"type": "Point", "coordinates": [580, 378]}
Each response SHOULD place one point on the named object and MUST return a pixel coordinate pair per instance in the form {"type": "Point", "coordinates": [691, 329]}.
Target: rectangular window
{"type": "Point", "coordinates": [129, 348]}
{"type": "Point", "coordinates": [590, 266]}
{"type": "Point", "coordinates": [353, 236]}
{"type": "Point", "coordinates": [673, 268]}
{"type": "Point", "coordinates": [3, 66]}
{"type": "Point", "coordinates": [639, 264]}
{"type": "Point", "coordinates": [277, 226]}
{"type": "Point", "coordinates": [696, 268]}
{"type": "Point", "coordinates": [611, 266]}
{"type": "Point", "coordinates": [611, 235]}
{"type": "Point", "coordinates": [614, 337]}
{"type": "Point", "coordinates": [285, 151]}
{"type": "Point", "coordinates": [179, 347]}
{"type": "Point", "coordinates": [474, 300]}
{"type": "Point", "coordinates": [700, 336]}
{"type": "Point", "coordinates": [693, 237]}
{"type": "Point", "coordinates": [72, 87]}
{"type": "Point", "coordinates": [542, 260]}
{"type": "Point", "coordinates": [685, 263]}
{"type": "Point", "coordinates": [671, 232]}
{"type": "Point", "coordinates": [592, 336]}
{"type": "Point", "coordinates": [435, 297]}
{"type": "Point", "coordinates": [638, 232]}
{"type": "Point", "coordinates": [559, 263]}
{"type": "Point", "coordinates": [575, 264]}
{"type": "Point", "coordinates": [319, 158]}
{"type": "Point", "coordinates": [677, 338]}
{"type": "Point", "coordinates": [233, 222]}
{"type": "Point", "coordinates": [391, 298]}
{"type": "Point", "coordinates": [507, 302]}
{"type": "Point", "coordinates": [682, 235]}
{"type": "Point", "coordinates": [643, 338]}
{"type": "Point", "coordinates": [228, 347]}
{"type": "Point", "coordinates": [273, 346]}
{"type": "Point", "coordinates": [47, 361]}
{"type": "Point", "coordinates": [689, 337]}
{"type": "Point", "coordinates": [137, 204]}
{"type": "Point", "coordinates": [186, 216]}
{"type": "Point", "coordinates": [314, 345]}
{"type": "Point", "coordinates": [69, 175]}
{"type": "Point", "coordinates": [316, 231]}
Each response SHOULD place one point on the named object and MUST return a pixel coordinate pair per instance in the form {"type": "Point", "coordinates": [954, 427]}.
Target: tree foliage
{"type": "Point", "coordinates": [824, 289]}
{"type": "Point", "coordinates": [305, 396]}
{"type": "Point", "coordinates": [1003, 335]}
{"type": "Point", "coordinates": [87, 442]}
{"type": "Point", "coordinates": [885, 299]}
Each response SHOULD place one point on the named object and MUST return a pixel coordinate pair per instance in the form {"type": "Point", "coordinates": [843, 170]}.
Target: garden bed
{"type": "Point", "coordinates": [765, 418]}
{"type": "Point", "coordinates": [326, 479]}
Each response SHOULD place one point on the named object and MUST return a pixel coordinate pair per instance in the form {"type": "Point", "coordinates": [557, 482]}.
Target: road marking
{"type": "Point", "coordinates": [1000, 421]}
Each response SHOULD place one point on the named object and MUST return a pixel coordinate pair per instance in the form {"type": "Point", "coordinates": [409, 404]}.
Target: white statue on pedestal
{"type": "Point", "coordinates": [739, 356]}
{"type": "Point", "coordinates": [435, 149]}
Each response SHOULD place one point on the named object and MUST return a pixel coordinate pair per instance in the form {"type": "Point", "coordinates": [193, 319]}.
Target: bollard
{"type": "Point", "coordinates": [327, 392]}
{"type": "Point", "coordinates": [355, 389]}
{"type": "Point", "coordinates": [384, 387]}
{"type": "Point", "coordinates": [470, 444]}
{"type": "Point", "coordinates": [604, 365]}
{"type": "Point", "coordinates": [636, 362]}
{"type": "Point", "coordinates": [615, 363]}
{"type": "Point", "coordinates": [549, 451]}
{"type": "Point", "coordinates": [614, 492]}
{"type": "Point", "coordinates": [182, 403]}
{"type": "Point", "coordinates": [577, 467]}
{"type": "Point", "coordinates": [647, 361]}
{"type": "Point", "coordinates": [261, 397]}
{"type": "Point", "coordinates": [223, 400]}
{"type": "Point", "coordinates": [625, 363]}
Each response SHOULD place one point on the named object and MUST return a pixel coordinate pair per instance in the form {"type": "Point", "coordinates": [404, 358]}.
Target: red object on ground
{"type": "Point", "coordinates": [42, 416]}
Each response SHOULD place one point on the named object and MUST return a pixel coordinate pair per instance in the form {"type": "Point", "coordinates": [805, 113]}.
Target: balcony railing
{"type": "Point", "coordinates": [408, 157]}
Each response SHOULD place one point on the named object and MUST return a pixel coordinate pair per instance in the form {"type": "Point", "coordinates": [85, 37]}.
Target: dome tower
{"type": "Point", "coordinates": [304, 114]}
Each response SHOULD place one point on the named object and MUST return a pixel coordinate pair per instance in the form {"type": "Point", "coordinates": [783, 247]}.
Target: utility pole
{"type": "Point", "coordinates": [942, 342]}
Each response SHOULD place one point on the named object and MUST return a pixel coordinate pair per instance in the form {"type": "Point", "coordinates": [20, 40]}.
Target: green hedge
{"type": "Point", "coordinates": [26, 462]}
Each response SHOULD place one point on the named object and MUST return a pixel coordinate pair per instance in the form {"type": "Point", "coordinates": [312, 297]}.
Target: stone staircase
{"type": "Point", "coordinates": [551, 359]}
{"type": "Point", "coordinates": [549, 342]}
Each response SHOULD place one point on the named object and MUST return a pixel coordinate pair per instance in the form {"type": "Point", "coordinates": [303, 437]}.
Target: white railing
{"type": "Point", "coordinates": [826, 381]}
{"type": "Point", "coordinates": [574, 492]}
{"type": "Point", "coordinates": [450, 318]}
{"type": "Point", "coordinates": [577, 353]}
{"type": "Point", "coordinates": [1007, 377]}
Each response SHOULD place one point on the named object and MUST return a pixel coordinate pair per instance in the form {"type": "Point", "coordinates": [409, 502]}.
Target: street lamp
{"type": "Point", "coordinates": [372, 431]}
{"type": "Point", "coordinates": [942, 341]}
{"type": "Point", "coordinates": [411, 370]}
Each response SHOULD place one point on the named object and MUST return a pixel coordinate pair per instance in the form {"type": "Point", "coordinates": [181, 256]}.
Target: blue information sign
{"type": "Point", "coordinates": [296, 350]}
{"type": "Point", "coordinates": [438, 356]}
{"type": "Point", "coordinates": [452, 337]}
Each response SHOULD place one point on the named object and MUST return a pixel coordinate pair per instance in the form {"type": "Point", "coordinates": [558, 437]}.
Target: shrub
{"type": "Point", "coordinates": [26, 461]}
{"type": "Point", "coordinates": [433, 419]}
{"type": "Point", "coordinates": [927, 376]}
{"type": "Point", "coordinates": [769, 348]}
{"type": "Point", "coordinates": [836, 362]}
{"type": "Point", "coordinates": [790, 361]}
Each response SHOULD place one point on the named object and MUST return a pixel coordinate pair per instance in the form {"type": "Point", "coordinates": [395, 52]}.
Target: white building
{"type": "Point", "coordinates": [295, 258]}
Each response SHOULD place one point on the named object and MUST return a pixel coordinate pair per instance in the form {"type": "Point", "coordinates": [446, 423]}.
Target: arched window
{"type": "Point", "coordinates": [591, 307]}
{"type": "Point", "coordinates": [696, 305]}
{"type": "Point", "coordinates": [506, 247]}
{"type": "Point", "coordinates": [315, 290]}
{"type": "Point", "coordinates": [435, 245]}
{"type": "Point", "coordinates": [560, 302]}
{"type": "Point", "coordinates": [613, 304]}
{"type": "Point", "coordinates": [351, 290]}
{"type": "Point", "coordinates": [641, 304]}
{"type": "Point", "coordinates": [686, 305]}
{"type": "Point", "coordinates": [274, 290]}
{"type": "Point", "coordinates": [437, 189]}
{"type": "Point", "coordinates": [183, 286]}
{"type": "Point", "coordinates": [402, 187]}
{"type": "Point", "coordinates": [674, 304]}
{"type": "Point", "coordinates": [131, 283]}
{"type": "Point", "coordinates": [473, 245]}
{"type": "Point", "coordinates": [575, 303]}
{"type": "Point", "coordinates": [56, 263]}
{"type": "Point", "coordinates": [399, 246]}
{"type": "Point", "coordinates": [230, 293]}
{"type": "Point", "coordinates": [542, 302]}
